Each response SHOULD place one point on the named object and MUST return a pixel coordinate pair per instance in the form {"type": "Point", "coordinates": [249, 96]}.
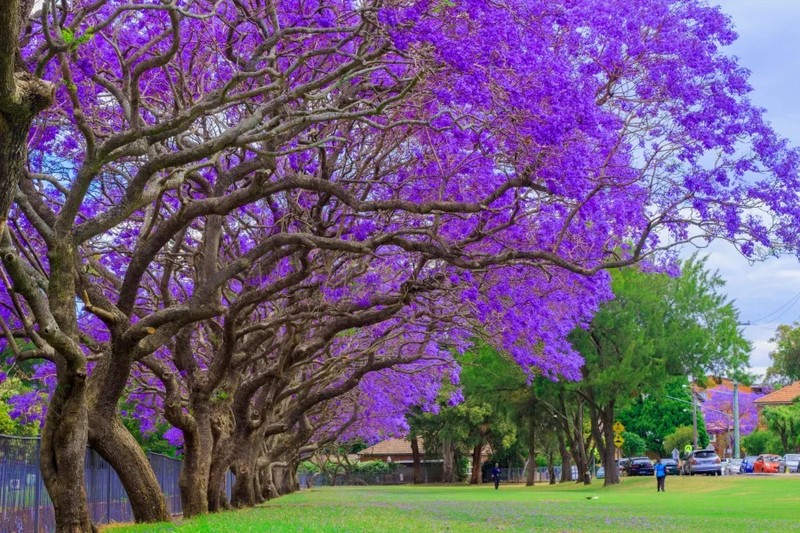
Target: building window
{"type": "Point", "coordinates": [712, 437]}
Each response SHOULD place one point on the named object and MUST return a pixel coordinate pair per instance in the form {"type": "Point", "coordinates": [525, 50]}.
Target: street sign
{"type": "Point", "coordinates": [618, 427]}
{"type": "Point", "coordinates": [687, 448]}
{"type": "Point", "coordinates": [619, 441]}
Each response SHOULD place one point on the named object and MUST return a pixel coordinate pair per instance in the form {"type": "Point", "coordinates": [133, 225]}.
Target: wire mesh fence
{"type": "Point", "coordinates": [25, 506]}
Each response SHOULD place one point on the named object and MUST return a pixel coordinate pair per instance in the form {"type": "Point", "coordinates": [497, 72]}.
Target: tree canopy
{"type": "Point", "coordinates": [265, 222]}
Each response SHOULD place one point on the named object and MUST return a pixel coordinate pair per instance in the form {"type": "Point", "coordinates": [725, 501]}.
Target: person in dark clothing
{"type": "Point", "coordinates": [496, 476]}
{"type": "Point", "coordinates": [661, 475]}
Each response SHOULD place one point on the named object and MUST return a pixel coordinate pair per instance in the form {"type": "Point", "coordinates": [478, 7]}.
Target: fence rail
{"type": "Point", "coordinates": [25, 506]}
{"type": "Point", "coordinates": [430, 474]}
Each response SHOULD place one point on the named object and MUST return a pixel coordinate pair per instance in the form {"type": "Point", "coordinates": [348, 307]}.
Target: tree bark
{"type": "Point", "coordinates": [220, 464]}
{"type": "Point", "coordinates": [63, 452]}
{"type": "Point", "coordinates": [415, 455]}
{"type": "Point", "coordinates": [604, 436]}
{"type": "Point", "coordinates": [196, 472]}
{"type": "Point", "coordinates": [475, 478]}
{"type": "Point", "coordinates": [530, 479]}
{"type": "Point", "coordinates": [22, 97]}
{"type": "Point", "coordinates": [566, 459]}
{"type": "Point", "coordinates": [244, 466]}
{"type": "Point", "coordinates": [447, 462]}
{"type": "Point", "coordinates": [581, 457]}
{"type": "Point", "coordinates": [551, 469]}
{"type": "Point", "coordinates": [116, 445]}
{"type": "Point", "coordinates": [112, 440]}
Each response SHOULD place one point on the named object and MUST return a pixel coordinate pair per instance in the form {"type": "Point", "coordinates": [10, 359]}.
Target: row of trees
{"type": "Point", "coordinates": [638, 350]}
{"type": "Point", "coordinates": [273, 224]}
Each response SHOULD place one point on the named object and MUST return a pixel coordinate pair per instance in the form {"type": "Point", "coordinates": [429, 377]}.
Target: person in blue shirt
{"type": "Point", "coordinates": [661, 475]}
{"type": "Point", "coordinates": [496, 475]}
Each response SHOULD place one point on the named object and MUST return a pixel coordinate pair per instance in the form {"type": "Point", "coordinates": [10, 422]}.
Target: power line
{"type": "Point", "coordinates": [780, 311]}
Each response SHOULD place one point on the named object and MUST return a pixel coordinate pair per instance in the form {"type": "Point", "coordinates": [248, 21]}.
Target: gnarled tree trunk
{"type": "Point", "coordinates": [220, 464]}
{"type": "Point", "coordinates": [112, 440]}
{"type": "Point", "coordinates": [116, 445]}
{"type": "Point", "coordinates": [196, 472]}
{"type": "Point", "coordinates": [243, 493]}
{"type": "Point", "coordinates": [63, 451]}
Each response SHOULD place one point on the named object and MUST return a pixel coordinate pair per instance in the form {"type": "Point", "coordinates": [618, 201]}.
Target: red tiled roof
{"type": "Point", "coordinates": [781, 396]}
{"type": "Point", "coordinates": [392, 447]}
{"type": "Point", "coordinates": [403, 447]}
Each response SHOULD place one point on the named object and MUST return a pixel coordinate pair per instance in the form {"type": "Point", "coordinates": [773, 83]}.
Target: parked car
{"type": "Point", "coordinates": [622, 465]}
{"type": "Point", "coordinates": [734, 467]}
{"type": "Point", "coordinates": [767, 464]}
{"type": "Point", "coordinates": [747, 464]}
{"type": "Point", "coordinates": [671, 466]}
{"type": "Point", "coordinates": [640, 466]}
{"type": "Point", "coordinates": [702, 462]}
{"type": "Point", "coordinates": [600, 473]}
{"type": "Point", "coordinates": [789, 462]}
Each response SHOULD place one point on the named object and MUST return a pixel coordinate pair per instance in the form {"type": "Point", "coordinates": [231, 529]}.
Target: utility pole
{"type": "Point", "coordinates": [694, 415]}
{"type": "Point", "coordinates": [736, 450]}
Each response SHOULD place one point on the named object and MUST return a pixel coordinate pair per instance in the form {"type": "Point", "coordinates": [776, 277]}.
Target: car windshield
{"type": "Point", "coordinates": [793, 457]}
{"type": "Point", "coordinates": [772, 458]}
{"type": "Point", "coordinates": [705, 454]}
{"type": "Point", "coordinates": [668, 462]}
{"type": "Point", "coordinates": [750, 459]}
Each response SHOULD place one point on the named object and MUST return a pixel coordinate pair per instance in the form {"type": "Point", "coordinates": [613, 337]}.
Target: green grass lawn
{"type": "Point", "coordinates": [752, 504]}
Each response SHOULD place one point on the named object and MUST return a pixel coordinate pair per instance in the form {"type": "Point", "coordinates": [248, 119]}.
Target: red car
{"type": "Point", "coordinates": [767, 464]}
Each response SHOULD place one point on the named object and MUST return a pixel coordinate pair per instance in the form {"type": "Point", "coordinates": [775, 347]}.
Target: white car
{"type": "Point", "coordinates": [733, 467]}
{"type": "Point", "coordinates": [789, 463]}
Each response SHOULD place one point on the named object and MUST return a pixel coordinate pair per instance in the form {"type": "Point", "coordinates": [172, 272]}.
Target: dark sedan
{"type": "Point", "coordinates": [671, 465]}
{"type": "Point", "coordinates": [640, 466]}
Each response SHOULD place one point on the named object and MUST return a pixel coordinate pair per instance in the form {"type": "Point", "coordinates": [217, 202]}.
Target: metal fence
{"type": "Point", "coordinates": [25, 506]}
{"type": "Point", "coordinates": [430, 474]}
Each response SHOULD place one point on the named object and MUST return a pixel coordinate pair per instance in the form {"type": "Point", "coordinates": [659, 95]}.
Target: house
{"type": "Point", "coordinates": [783, 396]}
{"type": "Point", "coordinates": [393, 451]}
{"type": "Point", "coordinates": [399, 451]}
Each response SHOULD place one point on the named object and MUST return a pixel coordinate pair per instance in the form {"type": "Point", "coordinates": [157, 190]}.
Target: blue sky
{"type": "Point", "coordinates": [767, 294]}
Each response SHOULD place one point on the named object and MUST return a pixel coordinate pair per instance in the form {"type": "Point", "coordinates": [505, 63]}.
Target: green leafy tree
{"type": "Point", "coordinates": [654, 416]}
{"type": "Point", "coordinates": [761, 441]}
{"type": "Point", "coordinates": [785, 367]}
{"type": "Point", "coordinates": [680, 438]}
{"type": "Point", "coordinates": [634, 445]}
{"type": "Point", "coordinates": [784, 422]}
{"type": "Point", "coordinates": [656, 327]}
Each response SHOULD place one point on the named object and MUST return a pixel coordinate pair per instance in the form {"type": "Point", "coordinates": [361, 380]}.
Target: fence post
{"type": "Point", "coordinates": [37, 491]}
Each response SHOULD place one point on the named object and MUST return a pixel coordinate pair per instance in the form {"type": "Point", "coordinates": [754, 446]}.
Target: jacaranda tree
{"type": "Point", "coordinates": [178, 168]}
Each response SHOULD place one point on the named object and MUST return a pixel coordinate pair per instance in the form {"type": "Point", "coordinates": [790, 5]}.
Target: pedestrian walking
{"type": "Point", "coordinates": [496, 476]}
{"type": "Point", "coordinates": [661, 475]}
